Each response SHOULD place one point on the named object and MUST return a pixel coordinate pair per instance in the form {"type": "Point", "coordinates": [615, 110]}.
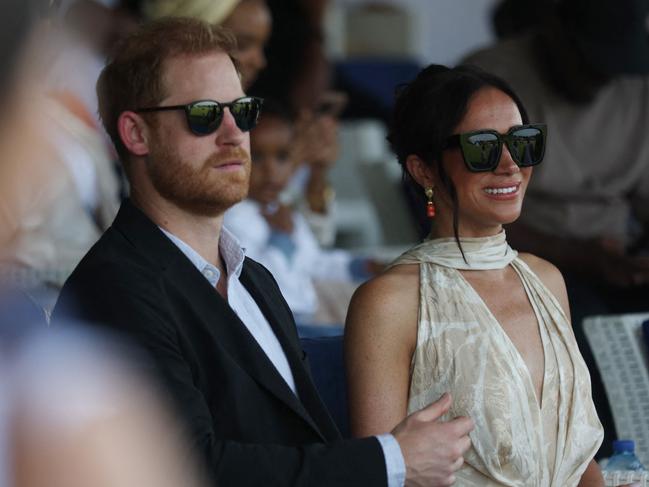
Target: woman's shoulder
{"type": "Point", "coordinates": [546, 271]}
{"type": "Point", "coordinates": [549, 275]}
{"type": "Point", "coordinates": [384, 311]}
{"type": "Point", "coordinates": [390, 284]}
{"type": "Point", "coordinates": [393, 293]}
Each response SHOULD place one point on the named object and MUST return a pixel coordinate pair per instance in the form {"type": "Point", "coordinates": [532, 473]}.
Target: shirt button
{"type": "Point", "coordinates": [209, 273]}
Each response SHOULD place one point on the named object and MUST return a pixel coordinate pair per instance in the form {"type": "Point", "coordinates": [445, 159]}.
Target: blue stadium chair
{"type": "Point", "coordinates": [325, 356]}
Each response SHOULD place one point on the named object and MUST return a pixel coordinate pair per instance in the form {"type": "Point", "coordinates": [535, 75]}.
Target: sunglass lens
{"type": "Point", "coordinates": [527, 146]}
{"type": "Point", "coordinates": [481, 151]}
{"type": "Point", "coordinates": [246, 112]}
{"type": "Point", "coordinates": [204, 117]}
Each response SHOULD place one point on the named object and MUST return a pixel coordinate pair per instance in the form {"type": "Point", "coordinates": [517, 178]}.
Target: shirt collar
{"type": "Point", "coordinates": [229, 248]}
{"type": "Point", "coordinates": [232, 253]}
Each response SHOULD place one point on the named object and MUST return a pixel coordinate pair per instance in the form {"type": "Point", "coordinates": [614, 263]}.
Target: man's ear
{"type": "Point", "coordinates": [421, 172]}
{"type": "Point", "coordinates": [133, 131]}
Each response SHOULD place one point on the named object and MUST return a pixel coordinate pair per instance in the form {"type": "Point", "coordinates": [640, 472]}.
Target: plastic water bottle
{"type": "Point", "coordinates": [623, 457]}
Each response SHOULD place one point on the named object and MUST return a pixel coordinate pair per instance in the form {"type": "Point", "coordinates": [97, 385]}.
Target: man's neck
{"type": "Point", "coordinates": [200, 232]}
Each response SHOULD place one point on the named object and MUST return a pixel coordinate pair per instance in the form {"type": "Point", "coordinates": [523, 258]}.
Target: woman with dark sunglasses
{"type": "Point", "coordinates": [463, 312]}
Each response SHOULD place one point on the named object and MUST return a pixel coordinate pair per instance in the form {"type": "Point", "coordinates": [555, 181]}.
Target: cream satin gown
{"type": "Point", "coordinates": [461, 348]}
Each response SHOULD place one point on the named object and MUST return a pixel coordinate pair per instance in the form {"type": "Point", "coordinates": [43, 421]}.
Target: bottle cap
{"type": "Point", "coordinates": [623, 445]}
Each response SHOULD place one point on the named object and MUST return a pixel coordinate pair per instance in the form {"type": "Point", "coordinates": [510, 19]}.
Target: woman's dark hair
{"type": "Point", "coordinates": [426, 112]}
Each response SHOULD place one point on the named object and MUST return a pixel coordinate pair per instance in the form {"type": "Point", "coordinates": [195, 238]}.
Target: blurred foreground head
{"type": "Point", "coordinates": [98, 24]}
{"type": "Point", "coordinates": [80, 413]}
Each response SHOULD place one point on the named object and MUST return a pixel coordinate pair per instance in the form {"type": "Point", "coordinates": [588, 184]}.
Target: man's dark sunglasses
{"type": "Point", "coordinates": [481, 149]}
{"type": "Point", "coordinates": [205, 116]}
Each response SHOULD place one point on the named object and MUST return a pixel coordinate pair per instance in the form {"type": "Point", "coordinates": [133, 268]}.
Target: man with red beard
{"type": "Point", "coordinates": [171, 277]}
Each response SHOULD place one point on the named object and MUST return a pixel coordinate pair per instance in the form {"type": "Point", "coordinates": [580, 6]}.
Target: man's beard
{"type": "Point", "coordinates": [199, 190]}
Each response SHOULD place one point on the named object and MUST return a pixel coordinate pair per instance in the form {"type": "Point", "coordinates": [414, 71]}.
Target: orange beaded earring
{"type": "Point", "coordinates": [430, 206]}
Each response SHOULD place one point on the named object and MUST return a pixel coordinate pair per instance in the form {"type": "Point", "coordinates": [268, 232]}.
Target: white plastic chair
{"type": "Point", "coordinates": [623, 361]}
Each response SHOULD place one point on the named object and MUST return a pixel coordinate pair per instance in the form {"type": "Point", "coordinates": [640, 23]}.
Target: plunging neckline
{"type": "Point", "coordinates": [482, 253]}
{"type": "Point", "coordinates": [519, 357]}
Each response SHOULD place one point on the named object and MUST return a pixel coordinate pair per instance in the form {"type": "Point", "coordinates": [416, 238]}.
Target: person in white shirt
{"type": "Point", "coordinates": [279, 237]}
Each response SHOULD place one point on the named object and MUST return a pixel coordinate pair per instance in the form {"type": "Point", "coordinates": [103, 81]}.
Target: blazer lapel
{"type": "Point", "coordinates": [303, 381]}
{"type": "Point", "coordinates": [232, 334]}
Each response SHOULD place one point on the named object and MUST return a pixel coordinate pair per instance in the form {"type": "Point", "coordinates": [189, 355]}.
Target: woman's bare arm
{"type": "Point", "coordinates": [592, 476]}
{"type": "Point", "coordinates": [380, 336]}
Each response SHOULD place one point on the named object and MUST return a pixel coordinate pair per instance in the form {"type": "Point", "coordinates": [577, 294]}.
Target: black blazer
{"type": "Point", "coordinates": [241, 414]}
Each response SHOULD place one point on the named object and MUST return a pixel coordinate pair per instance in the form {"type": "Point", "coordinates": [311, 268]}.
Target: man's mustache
{"type": "Point", "coordinates": [235, 153]}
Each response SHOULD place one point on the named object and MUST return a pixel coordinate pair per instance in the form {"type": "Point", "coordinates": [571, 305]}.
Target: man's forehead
{"type": "Point", "coordinates": [183, 61]}
{"type": "Point", "coordinates": [197, 71]}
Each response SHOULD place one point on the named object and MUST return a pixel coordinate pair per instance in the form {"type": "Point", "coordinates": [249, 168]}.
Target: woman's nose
{"type": "Point", "coordinates": [507, 164]}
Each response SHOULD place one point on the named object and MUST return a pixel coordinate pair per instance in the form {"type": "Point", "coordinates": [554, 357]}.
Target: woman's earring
{"type": "Point", "coordinates": [430, 206]}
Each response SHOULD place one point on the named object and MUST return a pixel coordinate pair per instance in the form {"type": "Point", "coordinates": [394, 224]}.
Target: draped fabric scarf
{"type": "Point", "coordinates": [461, 348]}
{"type": "Point", "coordinates": [482, 253]}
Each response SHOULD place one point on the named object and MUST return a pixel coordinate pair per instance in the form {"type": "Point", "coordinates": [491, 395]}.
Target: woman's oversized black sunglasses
{"type": "Point", "coordinates": [205, 116]}
{"type": "Point", "coordinates": [481, 149]}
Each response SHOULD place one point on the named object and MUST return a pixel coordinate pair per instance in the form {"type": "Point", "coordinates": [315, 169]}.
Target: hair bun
{"type": "Point", "coordinates": [433, 70]}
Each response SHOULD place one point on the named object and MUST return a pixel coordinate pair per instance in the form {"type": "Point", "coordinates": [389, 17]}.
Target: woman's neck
{"type": "Point", "coordinates": [439, 231]}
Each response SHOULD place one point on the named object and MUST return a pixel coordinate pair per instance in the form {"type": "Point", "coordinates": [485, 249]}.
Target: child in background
{"type": "Point", "coordinates": [316, 283]}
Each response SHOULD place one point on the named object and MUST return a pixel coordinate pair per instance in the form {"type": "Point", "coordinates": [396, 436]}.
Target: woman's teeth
{"type": "Point", "coordinates": [511, 189]}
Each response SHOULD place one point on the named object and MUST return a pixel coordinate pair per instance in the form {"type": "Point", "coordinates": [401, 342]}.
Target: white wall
{"type": "Point", "coordinates": [444, 30]}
